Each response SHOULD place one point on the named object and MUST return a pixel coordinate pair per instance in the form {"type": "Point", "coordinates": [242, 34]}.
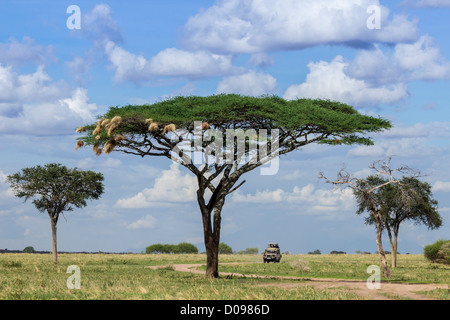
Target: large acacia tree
{"type": "Point", "coordinates": [270, 125]}
{"type": "Point", "coordinates": [55, 189]}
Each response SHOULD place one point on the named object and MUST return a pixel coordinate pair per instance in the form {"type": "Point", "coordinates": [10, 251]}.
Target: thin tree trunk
{"type": "Point", "coordinates": [384, 264]}
{"type": "Point", "coordinates": [393, 247]}
{"type": "Point", "coordinates": [394, 257]}
{"type": "Point", "coordinates": [54, 250]}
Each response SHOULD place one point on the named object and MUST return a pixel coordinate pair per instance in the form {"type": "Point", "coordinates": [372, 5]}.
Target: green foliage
{"type": "Point", "coordinates": [28, 249]}
{"type": "Point", "coordinates": [225, 249]}
{"type": "Point", "coordinates": [186, 247]}
{"type": "Point", "coordinates": [34, 277]}
{"type": "Point", "coordinates": [438, 252]}
{"type": "Point", "coordinates": [410, 199]}
{"type": "Point", "coordinates": [341, 122]}
{"type": "Point", "coordinates": [183, 247]}
{"type": "Point", "coordinates": [337, 252]}
{"type": "Point", "coordinates": [56, 188]}
{"type": "Point", "coordinates": [317, 251]}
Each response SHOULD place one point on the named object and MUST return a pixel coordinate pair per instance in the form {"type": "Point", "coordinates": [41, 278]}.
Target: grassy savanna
{"type": "Point", "coordinates": [410, 269]}
{"type": "Point", "coordinates": [115, 276]}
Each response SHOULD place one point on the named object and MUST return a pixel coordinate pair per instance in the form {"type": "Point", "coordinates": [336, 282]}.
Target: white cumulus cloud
{"type": "Point", "coordinates": [169, 62]}
{"type": "Point", "coordinates": [441, 186]}
{"type": "Point", "coordinates": [34, 103]}
{"type": "Point", "coordinates": [171, 187]}
{"type": "Point", "coordinates": [146, 221]}
{"type": "Point", "coordinates": [251, 83]}
{"type": "Point", "coordinates": [254, 26]}
{"type": "Point", "coordinates": [17, 53]}
{"type": "Point", "coordinates": [317, 199]}
{"type": "Point", "coordinates": [328, 80]}
{"type": "Point", "coordinates": [373, 77]}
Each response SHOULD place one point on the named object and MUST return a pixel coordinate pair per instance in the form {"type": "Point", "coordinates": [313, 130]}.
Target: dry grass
{"type": "Point", "coordinates": [105, 276]}
{"type": "Point", "coordinates": [115, 276]}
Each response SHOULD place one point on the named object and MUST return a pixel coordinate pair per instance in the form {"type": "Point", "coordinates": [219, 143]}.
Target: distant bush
{"type": "Point", "coordinates": [315, 252]}
{"type": "Point", "coordinates": [186, 247]}
{"type": "Point", "coordinates": [444, 252]}
{"type": "Point", "coordinates": [183, 247]}
{"type": "Point", "coordinates": [249, 251]}
{"type": "Point", "coordinates": [438, 252]}
{"type": "Point", "coordinates": [28, 250]}
{"type": "Point", "coordinates": [156, 248]}
{"type": "Point", "coordinates": [337, 252]}
{"type": "Point", "coordinates": [225, 249]}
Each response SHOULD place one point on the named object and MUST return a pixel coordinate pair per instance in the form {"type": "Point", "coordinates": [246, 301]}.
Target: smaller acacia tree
{"type": "Point", "coordinates": [368, 195]}
{"type": "Point", "coordinates": [56, 189]}
{"type": "Point", "coordinates": [408, 200]}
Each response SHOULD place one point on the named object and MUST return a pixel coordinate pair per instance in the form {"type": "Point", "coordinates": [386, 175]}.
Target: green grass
{"type": "Point", "coordinates": [440, 294]}
{"type": "Point", "coordinates": [115, 276]}
{"type": "Point", "coordinates": [410, 268]}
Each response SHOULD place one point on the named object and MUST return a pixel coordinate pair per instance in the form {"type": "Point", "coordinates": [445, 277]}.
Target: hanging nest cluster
{"type": "Point", "coordinates": [155, 127]}
{"type": "Point", "coordinates": [110, 126]}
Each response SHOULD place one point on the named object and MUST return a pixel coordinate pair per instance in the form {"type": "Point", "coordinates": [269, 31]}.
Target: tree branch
{"type": "Point", "coordinates": [235, 188]}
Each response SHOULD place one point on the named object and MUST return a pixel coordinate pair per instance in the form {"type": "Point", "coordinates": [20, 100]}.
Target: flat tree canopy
{"type": "Point", "coordinates": [159, 129]}
{"type": "Point", "coordinates": [335, 122]}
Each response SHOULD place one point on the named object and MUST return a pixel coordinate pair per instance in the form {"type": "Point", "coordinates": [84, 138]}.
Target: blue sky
{"type": "Point", "coordinates": [53, 79]}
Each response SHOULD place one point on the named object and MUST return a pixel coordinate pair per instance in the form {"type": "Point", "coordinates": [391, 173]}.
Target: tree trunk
{"type": "Point", "coordinates": [54, 250]}
{"type": "Point", "coordinates": [384, 264]}
{"type": "Point", "coordinates": [394, 255]}
{"type": "Point", "coordinates": [212, 256]}
{"type": "Point", "coordinates": [393, 247]}
{"type": "Point", "coordinates": [212, 239]}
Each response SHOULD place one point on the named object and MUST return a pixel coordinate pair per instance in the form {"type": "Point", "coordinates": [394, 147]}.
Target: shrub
{"type": "Point", "coordinates": [183, 247]}
{"type": "Point", "coordinates": [444, 253]}
{"type": "Point", "coordinates": [155, 248]}
{"type": "Point", "coordinates": [28, 250]}
{"type": "Point", "coordinates": [438, 252]}
{"type": "Point", "coordinates": [225, 249]}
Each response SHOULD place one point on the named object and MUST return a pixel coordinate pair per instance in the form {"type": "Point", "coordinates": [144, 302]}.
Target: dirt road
{"type": "Point", "coordinates": [388, 291]}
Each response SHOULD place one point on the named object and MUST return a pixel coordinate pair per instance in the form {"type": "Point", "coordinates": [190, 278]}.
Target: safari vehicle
{"type": "Point", "coordinates": [272, 253]}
